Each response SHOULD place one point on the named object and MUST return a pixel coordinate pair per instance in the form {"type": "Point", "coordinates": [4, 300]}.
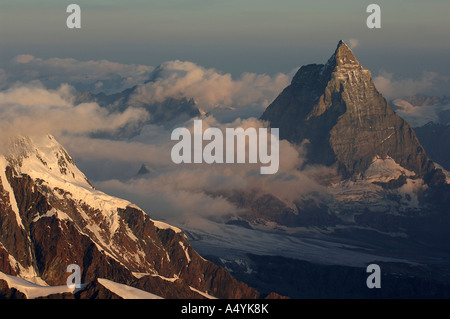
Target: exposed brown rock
{"type": "Point", "coordinates": [9, 293]}
{"type": "Point", "coordinates": [94, 290]}
{"type": "Point", "coordinates": [274, 295]}
{"type": "Point", "coordinates": [13, 238]}
{"type": "Point", "coordinates": [65, 295]}
{"type": "Point", "coordinates": [5, 265]}
{"type": "Point", "coordinates": [178, 289]}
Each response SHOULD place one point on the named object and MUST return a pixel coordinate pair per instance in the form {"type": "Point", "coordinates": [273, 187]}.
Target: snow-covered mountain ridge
{"type": "Point", "coordinates": [51, 216]}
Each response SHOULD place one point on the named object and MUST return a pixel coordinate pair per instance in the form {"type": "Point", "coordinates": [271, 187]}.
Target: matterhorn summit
{"type": "Point", "coordinates": [336, 107]}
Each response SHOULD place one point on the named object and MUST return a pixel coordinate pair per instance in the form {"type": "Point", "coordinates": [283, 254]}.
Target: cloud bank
{"type": "Point", "coordinates": [430, 83]}
{"type": "Point", "coordinates": [210, 88]}
{"type": "Point", "coordinates": [172, 192]}
{"type": "Point", "coordinates": [32, 109]}
{"type": "Point", "coordinates": [97, 76]}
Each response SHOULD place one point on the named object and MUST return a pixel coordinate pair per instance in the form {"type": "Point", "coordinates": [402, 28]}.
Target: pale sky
{"type": "Point", "coordinates": [235, 36]}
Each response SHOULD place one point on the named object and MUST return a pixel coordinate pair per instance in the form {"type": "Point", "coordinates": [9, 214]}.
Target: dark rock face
{"type": "Point", "coordinates": [346, 120]}
{"type": "Point", "coordinates": [94, 290]}
{"type": "Point", "coordinates": [9, 293]}
{"type": "Point", "coordinates": [266, 207]}
{"type": "Point", "coordinates": [166, 289]}
{"type": "Point", "coordinates": [143, 170]}
{"type": "Point", "coordinates": [302, 279]}
{"type": "Point", "coordinates": [13, 238]}
{"type": "Point", "coordinates": [5, 264]}
{"type": "Point", "coordinates": [435, 138]}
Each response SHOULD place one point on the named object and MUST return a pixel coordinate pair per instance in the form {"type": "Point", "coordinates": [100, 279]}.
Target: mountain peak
{"type": "Point", "coordinates": [343, 56]}
{"type": "Point", "coordinates": [42, 154]}
{"type": "Point", "coordinates": [144, 170]}
{"type": "Point", "coordinates": [337, 108]}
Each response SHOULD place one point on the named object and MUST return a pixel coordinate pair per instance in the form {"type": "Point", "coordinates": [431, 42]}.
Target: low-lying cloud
{"type": "Point", "coordinates": [391, 87]}
{"type": "Point", "coordinates": [32, 109]}
{"type": "Point", "coordinates": [171, 191]}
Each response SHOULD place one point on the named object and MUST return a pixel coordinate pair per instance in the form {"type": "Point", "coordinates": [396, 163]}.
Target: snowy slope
{"type": "Point", "coordinates": [383, 170]}
{"type": "Point", "coordinates": [366, 194]}
{"type": "Point", "coordinates": [126, 292]}
{"type": "Point", "coordinates": [32, 290]}
{"type": "Point", "coordinates": [232, 242]}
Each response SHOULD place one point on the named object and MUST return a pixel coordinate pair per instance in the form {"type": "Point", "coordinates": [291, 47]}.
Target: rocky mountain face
{"type": "Point", "coordinates": [51, 217]}
{"type": "Point", "coordinates": [348, 123]}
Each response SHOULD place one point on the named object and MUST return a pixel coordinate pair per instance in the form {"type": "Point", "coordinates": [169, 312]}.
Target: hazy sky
{"type": "Point", "coordinates": [235, 36]}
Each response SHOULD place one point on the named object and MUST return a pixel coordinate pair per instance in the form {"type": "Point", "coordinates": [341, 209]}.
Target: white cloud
{"type": "Point", "coordinates": [210, 88]}
{"type": "Point", "coordinates": [394, 88]}
{"type": "Point", "coordinates": [353, 43]}
{"type": "Point", "coordinates": [33, 109]}
{"type": "Point", "coordinates": [246, 95]}
{"type": "Point", "coordinates": [172, 191]}
{"type": "Point", "coordinates": [418, 115]}
{"type": "Point", "coordinates": [23, 58]}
